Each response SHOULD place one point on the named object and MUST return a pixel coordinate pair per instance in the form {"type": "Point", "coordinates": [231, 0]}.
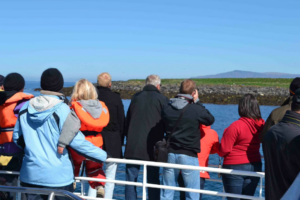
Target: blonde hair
{"type": "Point", "coordinates": [104, 79]}
{"type": "Point", "coordinates": [84, 90]}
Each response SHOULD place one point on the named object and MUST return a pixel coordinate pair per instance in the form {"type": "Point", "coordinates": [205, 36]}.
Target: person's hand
{"type": "Point", "coordinates": [196, 95]}
{"type": "Point", "coordinates": [60, 150]}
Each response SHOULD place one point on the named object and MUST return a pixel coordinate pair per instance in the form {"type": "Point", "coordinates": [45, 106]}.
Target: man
{"type": "Point", "coordinates": [277, 114]}
{"type": "Point", "coordinates": [11, 101]}
{"type": "Point", "coordinates": [209, 143]}
{"type": "Point", "coordinates": [144, 128]}
{"type": "Point", "coordinates": [182, 117]}
{"type": "Point", "coordinates": [113, 133]}
{"type": "Point", "coordinates": [37, 131]}
{"type": "Point", "coordinates": [1, 83]}
{"type": "Point", "coordinates": [282, 153]}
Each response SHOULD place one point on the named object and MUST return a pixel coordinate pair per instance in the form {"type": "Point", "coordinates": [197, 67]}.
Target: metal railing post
{"type": "Point", "coordinates": [82, 183]}
{"type": "Point", "coordinates": [223, 198]}
{"type": "Point", "coordinates": [19, 185]}
{"type": "Point", "coordinates": [261, 185]}
{"type": "Point", "coordinates": [51, 196]}
{"type": "Point", "coordinates": [145, 182]}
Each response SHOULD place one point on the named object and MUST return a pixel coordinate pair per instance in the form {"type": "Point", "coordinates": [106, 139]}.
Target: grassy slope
{"type": "Point", "coordinates": [264, 82]}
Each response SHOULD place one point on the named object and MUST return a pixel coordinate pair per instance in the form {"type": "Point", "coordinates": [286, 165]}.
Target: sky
{"type": "Point", "coordinates": [134, 38]}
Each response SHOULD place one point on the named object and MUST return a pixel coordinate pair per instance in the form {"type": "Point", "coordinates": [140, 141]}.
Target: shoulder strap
{"type": "Point", "coordinates": [56, 117]}
{"type": "Point", "coordinates": [174, 128]}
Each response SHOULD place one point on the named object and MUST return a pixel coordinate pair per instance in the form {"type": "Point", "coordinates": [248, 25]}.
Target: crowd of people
{"type": "Point", "coordinates": [45, 136]}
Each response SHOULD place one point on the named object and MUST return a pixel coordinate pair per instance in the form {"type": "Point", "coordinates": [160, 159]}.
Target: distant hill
{"type": "Point", "coordinates": [248, 74]}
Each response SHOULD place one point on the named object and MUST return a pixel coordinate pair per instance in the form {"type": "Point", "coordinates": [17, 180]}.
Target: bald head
{"type": "Point", "coordinates": [104, 80]}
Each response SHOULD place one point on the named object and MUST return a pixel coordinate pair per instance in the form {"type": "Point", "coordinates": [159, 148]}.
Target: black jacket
{"type": "Point", "coordinates": [186, 137]}
{"type": "Point", "coordinates": [281, 148]}
{"type": "Point", "coordinates": [113, 133]}
{"type": "Point", "coordinates": [143, 123]}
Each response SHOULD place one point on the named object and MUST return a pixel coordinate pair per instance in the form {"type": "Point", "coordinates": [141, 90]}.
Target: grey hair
{"type": "Point", "coordinates": [153, 80]}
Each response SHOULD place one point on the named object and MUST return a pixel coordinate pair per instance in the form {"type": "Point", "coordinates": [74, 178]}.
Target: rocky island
{"type": "Point", "coordinates": [210, 93]}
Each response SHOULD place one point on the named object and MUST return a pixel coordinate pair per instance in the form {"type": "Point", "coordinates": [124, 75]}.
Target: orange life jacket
{"type": "Point", "coordinates": [8, 118]}
{"type": "Point", "coordinates": [88, 123]}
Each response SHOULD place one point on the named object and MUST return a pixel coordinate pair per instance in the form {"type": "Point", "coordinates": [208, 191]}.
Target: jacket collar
{"type": "Point", "coordinates": [291, 117]}
{"type": "Point", "coordinates": [103, 88]}
{"type": "Point", "coordinates": [150, 88]}
{"type": "Point", "coordinates": [46, 92]}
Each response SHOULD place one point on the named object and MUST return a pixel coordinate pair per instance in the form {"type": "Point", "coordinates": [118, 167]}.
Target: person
{"type": "Point", "coordinates": [209, 143]}
{"type": "Point", "coordinates": [11, 101]}
{"type": "Point", "coordinates": [278, 113]}
{"type": "Point", "coordinates": [184, 143]}
{"type": "Point", "coordinates": [113, 133]}
{"type": "Point", "coordinates": [93, 116]}
{"type": "Point", "coordinates": [1, 83]}
{"type": "Point", "coordinates": [240, 148]}
{"type": "Point", "coordinates": [144, 128]}
{"type": "Point", "coordinates": [37, 132]}
{"type": "Point", "coordinates": [282, 152]}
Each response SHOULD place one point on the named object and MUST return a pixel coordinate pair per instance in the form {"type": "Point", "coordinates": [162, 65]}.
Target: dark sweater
{"type": "Point", "coordinates": [186, 137]}
{"type": "Point", "coordinates": [282, 155]}
{"type": "Point", "coordinates": [144, 126]}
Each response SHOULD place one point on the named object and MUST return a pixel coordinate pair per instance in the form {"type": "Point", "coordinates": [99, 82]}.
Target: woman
{"type": "Point", "coordinates": [93, 116]}
{"type": "Point", "coordinates": [240, 148]}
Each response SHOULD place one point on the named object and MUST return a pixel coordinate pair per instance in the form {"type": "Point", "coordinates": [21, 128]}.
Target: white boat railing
{"type": "Point", "coordinates": [145, 185]}
{"type": "Point", "coordinates": [43, 191]}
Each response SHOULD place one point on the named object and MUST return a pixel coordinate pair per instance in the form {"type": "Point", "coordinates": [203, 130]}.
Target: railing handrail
{"type": "Point", "coordinates": [188, 167]}
{"type": "Point", "coordinates": [144, 184]}
{"type": "Point", "coordinates": [42, 191]}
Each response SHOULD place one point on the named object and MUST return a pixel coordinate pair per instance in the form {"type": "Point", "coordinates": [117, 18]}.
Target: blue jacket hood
{"type": "Point", "coordinates": [42, 107]}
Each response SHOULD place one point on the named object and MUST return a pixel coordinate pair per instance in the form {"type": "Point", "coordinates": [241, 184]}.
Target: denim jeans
{"type": "Point", "coordinates": [244, 185]}
{"type": "Point", "coordinates": [132, 172]}
{"type": "Point", "coordinates": [191, 178]}
{"type": "Point", "coordinates": [181, 184]}
{"type": "Point", "coordinates": [110, 172]}
{"type": "Point", "coordinates": [45, 197]}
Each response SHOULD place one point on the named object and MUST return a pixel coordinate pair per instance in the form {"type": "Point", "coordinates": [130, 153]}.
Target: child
{"type": "Point", "coordinates": [93, 116]}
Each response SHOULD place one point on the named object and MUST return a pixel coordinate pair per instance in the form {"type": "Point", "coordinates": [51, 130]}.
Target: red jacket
{"type": "Point", "coordinates": [209, 145]}
{"type": "Point", "coordinates": [240, 142]}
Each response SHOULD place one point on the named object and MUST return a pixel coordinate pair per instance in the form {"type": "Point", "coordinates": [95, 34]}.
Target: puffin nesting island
{"type": "Point", "coordinates": [268, 91]}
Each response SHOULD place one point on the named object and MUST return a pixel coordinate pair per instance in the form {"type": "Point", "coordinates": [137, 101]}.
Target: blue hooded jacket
{"type": "Point", "coordinates": [37, 132]}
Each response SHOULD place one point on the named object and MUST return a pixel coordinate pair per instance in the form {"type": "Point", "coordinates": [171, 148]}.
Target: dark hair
{"type": "Point", "coordinates": [249, 107]}
{"type": "Point", "coordinates": [187, 86]}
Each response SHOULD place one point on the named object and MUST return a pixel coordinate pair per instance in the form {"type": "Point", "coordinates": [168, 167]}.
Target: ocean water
{"type": "Point", "coordinates": [224, 116]}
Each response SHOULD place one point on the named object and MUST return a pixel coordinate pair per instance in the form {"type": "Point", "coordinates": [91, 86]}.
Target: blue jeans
{"type": "Point", "coordinates": [132, 172]}
{"type": "Point", "coordinates": [190, 177]}
{"type": "Point", "coordinates": [181, 184]}
{"type": "Point", "coordinates": [110, 172]}
{"type": "Point", "coordinates": [244, 185]}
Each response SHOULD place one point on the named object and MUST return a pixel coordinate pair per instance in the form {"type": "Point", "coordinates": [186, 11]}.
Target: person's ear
{"type": "Point", "coordinates": [158, 87]}
{"type": "Point", "coordinates": [109, 86]}
{"type": "Point", "coordinates": [22, 90]}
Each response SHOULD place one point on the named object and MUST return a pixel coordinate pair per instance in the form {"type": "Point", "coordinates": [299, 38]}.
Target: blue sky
{"type": "Point", "coordinates": [135, 38]}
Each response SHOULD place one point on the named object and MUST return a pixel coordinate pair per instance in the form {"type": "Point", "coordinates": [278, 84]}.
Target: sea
{"type": "Point", "coordinates": [224, 116]}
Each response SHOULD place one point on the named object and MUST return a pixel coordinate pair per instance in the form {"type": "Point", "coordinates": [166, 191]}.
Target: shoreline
{"type": "Point", "coordinates": [214, 94]}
